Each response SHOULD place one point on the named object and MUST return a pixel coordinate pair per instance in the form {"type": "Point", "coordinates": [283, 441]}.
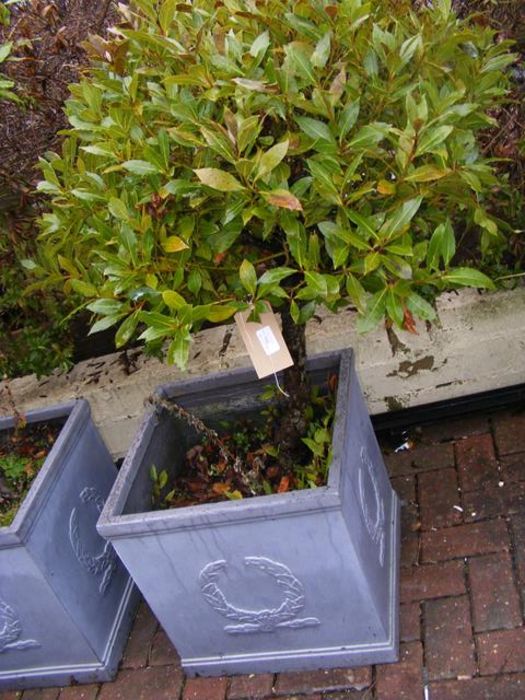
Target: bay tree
{"type": "Point", "coordinates": [226, 154]}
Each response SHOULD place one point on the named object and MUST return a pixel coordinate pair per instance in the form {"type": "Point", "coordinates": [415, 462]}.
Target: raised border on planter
{"type": "Point", "coordinates": [477, 345]}
{"type": "Point", "coordinates": [66, 602]}
{"type": "Point", "coordinates": [332, 552]}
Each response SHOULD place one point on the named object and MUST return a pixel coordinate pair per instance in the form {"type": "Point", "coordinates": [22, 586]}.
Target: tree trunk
{"type": "Point", "coordinates": [294, 421]}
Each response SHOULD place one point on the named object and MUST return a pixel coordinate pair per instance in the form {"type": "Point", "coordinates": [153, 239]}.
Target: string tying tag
{"type": "Point", "coordinates": [283, 392]}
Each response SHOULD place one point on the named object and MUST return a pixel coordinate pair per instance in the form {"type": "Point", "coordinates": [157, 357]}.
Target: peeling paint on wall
{"type": "Point", "coordinates": [409, 369]}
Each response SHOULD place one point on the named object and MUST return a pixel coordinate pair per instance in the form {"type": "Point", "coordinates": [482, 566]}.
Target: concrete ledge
{"type": "Point", "coordinates": [478, 344]}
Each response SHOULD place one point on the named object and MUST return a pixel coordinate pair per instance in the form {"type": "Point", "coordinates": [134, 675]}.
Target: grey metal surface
{"type": "Point", "coordinates": [65, 599]}
{"type": "Point", "coordinates": [301, 580]}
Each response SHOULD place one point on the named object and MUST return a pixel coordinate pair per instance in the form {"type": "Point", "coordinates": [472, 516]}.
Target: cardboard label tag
{"type": "Point", "coordinates": [264, 343]}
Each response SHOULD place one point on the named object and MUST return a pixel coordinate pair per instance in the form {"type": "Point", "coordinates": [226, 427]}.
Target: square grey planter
{"type": "Point", "coordinates": [301, 580]}
{"type": "Point", "coordinates": [65, 599]}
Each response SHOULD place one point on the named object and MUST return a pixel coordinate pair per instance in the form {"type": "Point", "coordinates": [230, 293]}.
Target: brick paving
{"type": "Point", "coordinates": [462, 589]}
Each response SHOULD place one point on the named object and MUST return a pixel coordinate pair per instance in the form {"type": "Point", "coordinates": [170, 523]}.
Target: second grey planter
{"type": "Point", "coordinates": [65, 599]}
{"type": "Point", "coordinates": [301, 580]}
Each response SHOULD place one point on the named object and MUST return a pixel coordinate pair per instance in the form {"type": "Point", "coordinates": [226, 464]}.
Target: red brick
{"type": "Point", "coordinates": [205, 689]}
{"type": "Point", "coordinates": [161, 683]}
{"type": "Point", "coordinates": [11, 695]}
{"type": "Point", "coordinates": [518, 531]}
{"type": "Point", "coordinates": [410, 526]}
{"type": "Point", "coordinates": [476, 460]}
{"type": "Point", "coordinates": [432, 581]}
{"type": "Point", "coordinates": [404, 680]}
{"type": "Point", "coordinates": [41, 694]}
{"type": "Point", "coordinates": [449, 649]}
{"type": "Point", "coordinates": [79, 692]}
{"type": "Point", "coordinates": [323, 681]}
{"type": "Point", "coordinates": [513, 468]}
{"type": "Point", "coordinates": [454, 429]}
{"type": "Point", "coordinates": [421, 458]}
{"type": "Point", "coordinates": [250, 687]}
{"type": "Point", "coordinates": [511, 687]}
{"type": "Point", "coordinates": [138, 647]}
{"type": "Point", "coordinates": [464, 540]}
{"type": "Point", "coordinates": [405, 487]}
{"type": "Point", "coordinates": [494, 597]}
{"type": "Point", "coordinates": [409, 622]}
{"type": "Point", "coordinates": [346, 695]}
{"type": "Point", "coordinates": [163, 652]}
{"type": "Point", "coordinates": [502, 651]}
{"type": "Point", "coordinates": [509, 433]}
{"type": "Point", "coordinates": [494, 502]}
{"type": "Point", "coordinates": [438, 494]}
{"type": "Point", "coordinates": [309, 697]}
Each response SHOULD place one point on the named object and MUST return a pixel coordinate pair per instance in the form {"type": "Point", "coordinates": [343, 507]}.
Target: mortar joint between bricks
{"type": "Point", "coordinates": [514, 566]}
{"type": "Point", "coordinates": [471, 610]}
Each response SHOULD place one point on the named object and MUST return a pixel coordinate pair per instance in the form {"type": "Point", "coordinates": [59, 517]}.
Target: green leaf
{"type": "Point", "coordinates": [427, 173]}
{"type": "Point", "coordinates": [317, 283]}
{"type": "Point", "coordinates": [409, 48]}
{"type": "Point", "coordinates": [397, 266]}
{"type": "Point", "coordinates": [441, 245]}
{"type": "Point", "coordinates": [140, 167]}
{"type": "Point", "coordinates": [370, 135]}
{"type": "Point", "coordinates": [401, 218]}
{"type": "Point", "coordinates": [248, 276]}
{"type": "Point", "coordinates": [104, 323]}
{"type": "Point", "coordinates": [276, 275]}
{"type": "Point", "coordinates": [321, 52]}
{"type": "Point", "coordinates": [375, 311]}
{"type": "Point", "coordinates": [315, 129]}
{"type": "Point", "coordinates": [218, 314]}
{"type": "Point", "coordinates": [118, 209]}
{"type": "Point", "coordinates": [106, 307]}
{"type": "Point", "coordinates": [297, 53]}
{"type": "Point", "coordinates": [271, 159]}
{"type": "Point", "coordinates": [394, 308]}
{"type": "Point", "coordinates": [433, 137]}
{"type": "Point", "coordinates": [174, 244]}
{"type": "Point", "coordinates": [372, 262]}
{"type": "Point", "coordinates": [5, 50]}
{"type": "Point", "coordinates": [260, 44]}
{"type": "Point", "coordinates": [347, 119]}
{"type": "Point", "coordinates": [468, 277]}
{"type": "Point", "coordinates": [356, 292]}
{"type": "Point", "coordinates": [84, 288]}
{"type": "Point", "coordinates": [126, 330]}
{"type": "Point", "coordinates": [499, 62]}
{"type": "Point", "coordinates": [179, 350]}
{"type": "Point", "coordinates": [420, 307]}
{"type": "Point", "coordinates": [364, 223]}
{"type": "Point", "coordinates": [167, 13]}
{"type": "Point", "coordinates": [218, 179]}
{"type": "Point", "coordinates": [173, 299]}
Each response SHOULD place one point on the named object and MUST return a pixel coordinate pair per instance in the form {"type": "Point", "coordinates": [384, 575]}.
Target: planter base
{"type": "Point", "coordinates": [105, 670]}
{"type": "Point", "coordinates": [379, 652]}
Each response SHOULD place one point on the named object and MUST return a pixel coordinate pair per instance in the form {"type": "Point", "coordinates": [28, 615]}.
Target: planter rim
{"type": "Point", "coordinates": [76, 414]}
{"type": "Point", "coordinates": [114, 524]}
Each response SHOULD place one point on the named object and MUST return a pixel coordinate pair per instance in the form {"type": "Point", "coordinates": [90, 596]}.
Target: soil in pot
{"type": "Point", "coordinates": [23, 451]}
{"type": "Point", "coordinates": [239, 457]}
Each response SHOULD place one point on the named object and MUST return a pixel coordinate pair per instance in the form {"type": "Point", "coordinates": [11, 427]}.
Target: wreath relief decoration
{"type": "Point", "coordinates": [11, 630]}
{"type": "Point", "coordinates": [102, 565]}
{"type": "Point", "coordinates": [266, 620]}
